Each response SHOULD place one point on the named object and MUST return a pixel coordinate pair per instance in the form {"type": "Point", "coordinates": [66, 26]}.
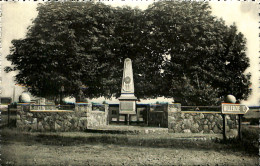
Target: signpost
{"type": "Point", "coordinates": [237, 109]}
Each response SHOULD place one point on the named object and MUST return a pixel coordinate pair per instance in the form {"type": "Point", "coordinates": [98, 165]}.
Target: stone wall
{"type": "Point", "coordinates": [79, 119]}
{"type": "Point", "coordinates": [97, 118]}
{"type": "Point", "coordinates": [196, 122]}
{"type": "Point", "coordinates": [83, 117]}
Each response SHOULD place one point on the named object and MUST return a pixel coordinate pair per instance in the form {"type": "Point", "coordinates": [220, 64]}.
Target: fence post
{"type": "Point", "coordinates": [8, 116]}
{"type": "Point", "coordinates": [148, 112]}
{"type": "Point", "coordinates": [224, 127]}
{"type": "Point", "coordinates": [239, 127]}
{"type": "Point", "coordinates": [107, 113]}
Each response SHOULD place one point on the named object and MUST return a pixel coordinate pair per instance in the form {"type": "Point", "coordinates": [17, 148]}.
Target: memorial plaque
{"type": "Point", "coordinates": [127, 107]}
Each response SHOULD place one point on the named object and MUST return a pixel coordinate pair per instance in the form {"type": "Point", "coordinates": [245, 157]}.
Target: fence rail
{"type": "Point", "coordinates": [201, 108]}
{"type": "Point", "coordinates": [98, 107]}
{"type": "Point", "coordinates": [52, 107]}
{"type": "Point", "coordinates": [254, 108]}
{"type": "Point", "coordinates": [158, 107]}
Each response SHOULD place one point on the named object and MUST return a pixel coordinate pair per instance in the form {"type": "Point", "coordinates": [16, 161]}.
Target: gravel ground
{"type": "Point", "coordinates": [81, 148]}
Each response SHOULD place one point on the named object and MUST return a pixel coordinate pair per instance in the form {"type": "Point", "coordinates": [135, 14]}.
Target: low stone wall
{"type": "Point", "coordinates": [84, 117]}
{"type": "Point", "coordinates": [79, 119]}
{"type": "Point", "coordinates": [97, 118]}
{"type": "Point", "coordinates": [196, 122]}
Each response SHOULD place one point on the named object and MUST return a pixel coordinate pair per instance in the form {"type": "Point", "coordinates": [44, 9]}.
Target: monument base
{"type": "Point", "coordinates": [127, 104]}
{"type": "Point", "coordinates": [127, 96]}
{"type": "Point", "coordinates": [127, 107]}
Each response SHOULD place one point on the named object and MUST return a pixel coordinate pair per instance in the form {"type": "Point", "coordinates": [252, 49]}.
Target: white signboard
{"type": "Point", "coordinates": [234, 108]}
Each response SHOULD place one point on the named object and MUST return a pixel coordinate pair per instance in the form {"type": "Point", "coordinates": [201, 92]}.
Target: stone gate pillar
{"type": "Point", "coordinates": [174, 110]}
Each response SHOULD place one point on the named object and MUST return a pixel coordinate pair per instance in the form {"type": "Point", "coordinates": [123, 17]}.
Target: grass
{"type": "Point", "coordinates": [249, 142]}
{"type": "Point", "coordinates": [250, 138]}
{"type": "Point", "coordinates": [84, 148]}
{"type": "Point", "coordinates": [166, 140]}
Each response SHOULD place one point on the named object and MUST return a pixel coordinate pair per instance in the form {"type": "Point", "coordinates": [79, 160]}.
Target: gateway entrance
{"type": "Point", "coordinates": [146, 115]}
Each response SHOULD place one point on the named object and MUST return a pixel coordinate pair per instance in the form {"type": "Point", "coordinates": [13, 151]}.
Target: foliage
{"type": "Point", "coordinates": [205, 58]}
{"type": "Point", "coordinates": [178, 50]}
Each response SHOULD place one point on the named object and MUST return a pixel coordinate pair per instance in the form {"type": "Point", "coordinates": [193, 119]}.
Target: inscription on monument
{"type": "Point", "coordinates": [126, 106]}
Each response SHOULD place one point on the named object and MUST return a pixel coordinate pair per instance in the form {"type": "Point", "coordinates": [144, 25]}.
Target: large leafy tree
{"type": "Point", "coordinates": [61, 48]}
{"type": "Point", "coordinates": [205, 58]}
{"type": "Point", "coordinates": [178, 50]}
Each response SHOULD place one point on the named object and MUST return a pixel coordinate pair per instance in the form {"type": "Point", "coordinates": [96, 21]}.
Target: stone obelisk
{"type": "Point", "coordinates": [127, 100]}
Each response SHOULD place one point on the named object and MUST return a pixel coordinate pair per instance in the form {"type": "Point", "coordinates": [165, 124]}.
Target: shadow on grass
{"type": "Point", "coordinates": [241, 145]}
{"type": "Point", "coordinates": [110, 131]}
{"type": "Point", "coordinates": [231, 145]}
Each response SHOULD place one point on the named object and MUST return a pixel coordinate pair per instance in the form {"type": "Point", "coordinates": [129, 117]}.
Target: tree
{"type": "Point", "coordinates": [60, 49]}
{"type": "Point", "coordinates": [178, 50]}
{"type": "Point", "coordinates": [206, 59]}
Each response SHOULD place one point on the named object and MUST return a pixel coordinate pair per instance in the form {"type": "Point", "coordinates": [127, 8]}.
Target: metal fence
{"type": "Point", "coordinates": [98, 107]}
{"type": "Point", "coordinates": [201, 108]}
{"type": "Point", "coordinates": [158, 107]}
{"type": "Point", "coordinates": [52, 107]}
{"type": "Point", "coordinates": [254, 108]}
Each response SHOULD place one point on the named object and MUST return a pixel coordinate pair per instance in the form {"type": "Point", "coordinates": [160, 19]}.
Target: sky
{"type": "Point", "coordinates": [17, 16]}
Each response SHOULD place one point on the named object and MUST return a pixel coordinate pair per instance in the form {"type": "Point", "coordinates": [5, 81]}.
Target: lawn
{"type": "Point", "coordinates": [85, 148]}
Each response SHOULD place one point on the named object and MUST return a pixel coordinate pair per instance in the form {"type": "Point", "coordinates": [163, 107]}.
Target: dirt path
{"type": "Point", "coordinates": [117, 149]}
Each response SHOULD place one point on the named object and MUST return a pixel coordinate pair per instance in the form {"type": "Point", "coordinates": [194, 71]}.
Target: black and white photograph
{"type": "Point", "coordinates": [129, 82]}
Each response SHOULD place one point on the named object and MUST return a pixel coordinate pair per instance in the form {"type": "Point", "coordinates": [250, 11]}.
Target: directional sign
{"type": "Point", "coordinates": [234, 108]}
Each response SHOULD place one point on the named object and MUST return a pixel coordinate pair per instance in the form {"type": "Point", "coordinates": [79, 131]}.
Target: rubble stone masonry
{"type": "Point", "coordinates": [79, 119]}
{"type": "Point", "coordinates": [196, 122]}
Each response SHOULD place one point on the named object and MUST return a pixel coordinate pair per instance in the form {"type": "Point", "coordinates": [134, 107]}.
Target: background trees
{"type": "Point", "coordinates": [206, 58]}
{"type": "Point", "coordinates": [178, 50]}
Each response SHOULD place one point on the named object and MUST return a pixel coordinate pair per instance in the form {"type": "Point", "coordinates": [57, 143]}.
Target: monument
{"type": "Point", "coordinates": [127, 100]}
